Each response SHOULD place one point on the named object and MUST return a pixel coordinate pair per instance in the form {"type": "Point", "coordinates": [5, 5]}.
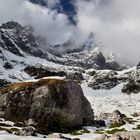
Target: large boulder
{"type": "Point", "coordinates": [50, 105]}
{"type": "Point", "coordinates": [131, 87]}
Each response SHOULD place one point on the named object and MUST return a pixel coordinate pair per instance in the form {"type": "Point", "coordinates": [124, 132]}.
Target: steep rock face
{"type": "Point", "coordinates": [50, 105]}
{"type": "Point", "coordinates": [113, 65]}
{"type": "Point", "coordinates": [86, 60]}
{"type": "Point", "coordinates": [20, 40]}
{"type": "Point", "coordinates": [86, 55]}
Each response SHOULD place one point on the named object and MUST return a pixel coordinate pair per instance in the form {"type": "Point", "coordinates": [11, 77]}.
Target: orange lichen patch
{"type": "Point", "coordinates": [50, 81]}
{"type": "Point", "coordinates": [15, 86]}
{"type": "Point", "coordinates": [23, 85]}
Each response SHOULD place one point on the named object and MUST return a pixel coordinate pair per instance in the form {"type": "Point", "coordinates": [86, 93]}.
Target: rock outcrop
{"type": "Point", "coordinates": [113, 65]}
{"type": "Point", "coordinates": [133, 83]}
{"type": "Point", "coordinates": [116, 119]}
{"type": "Point", "coordinates": [50, 105]}
{"type": "Point", "coordinates": [131, 87]}
{"type": "Point", "coordinates": [4, 83]}
{"type": "Point", "coordinates": [86, 60]}
{"type": "Point", "coordinates": [26, 131]}
{"type": "Point", "coordinates": [104, 80]}
{"type": "Point", "coordinates": [40, 72]}
{"type": "Point", "coordinates": [108, 79]}
{"type": "Point", "coordinates": [20, 40]}
{"type": "Point", "coordinates": [77, 77]}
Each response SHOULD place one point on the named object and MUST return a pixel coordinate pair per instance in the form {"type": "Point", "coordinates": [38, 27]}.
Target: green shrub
{"type": "Point", "coordinates": [14, 129]}
{"type": "Point", "coordinates": [137, 128]}
{"type": "Point", "coordinates": [129, 120]}
{"type": "Point", "coordinates": [85, 131]}
{"type": "Point", "coordinates": [113, 131]}
{"type": "Point", "coordinates": [99, 131]}
{"type": "Point", "coordinates": [19, 124]}
{"type": "Point", "coordinates": [116, 124]}
{"type": "Point", "coordinates": [76, 133]}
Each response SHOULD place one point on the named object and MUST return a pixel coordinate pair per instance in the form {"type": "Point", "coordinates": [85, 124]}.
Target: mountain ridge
{"type": "Point", "coordinates": [20, 47]}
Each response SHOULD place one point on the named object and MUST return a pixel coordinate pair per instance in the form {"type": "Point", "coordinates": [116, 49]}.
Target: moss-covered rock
{"type": "Point", "coordinates": [75, 133]}
{"type": "Point", "coordinates": [5, 129]}
{"type": "Point", "coordinates": [19, 124]}
{"type": "Point", "coordinates": [137, 127]}
{"type": "Point", "coordinates": [116, 124]}
{"type": "Point", "coordinates": [99, 131]}
{"type": "Point", "coordinates": [84, 131]}
{"type": "Point", "coordinates": [113, 131]}
{"type": "Point", "coordinates": [129, 120]}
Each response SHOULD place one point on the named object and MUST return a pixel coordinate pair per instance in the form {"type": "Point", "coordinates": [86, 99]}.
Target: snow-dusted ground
{"type": "Point", "coordinates": [6, 136]}
{"type": "Point", "coordinates": [109, 100]}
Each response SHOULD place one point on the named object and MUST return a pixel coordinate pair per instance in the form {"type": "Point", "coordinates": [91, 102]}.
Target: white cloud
{"type": "Point", "coordinates": [52, 3]}
{"type": "Point", "coordinates": [50, 24]}
{"type": "Point", "coordinates": [115, 22]}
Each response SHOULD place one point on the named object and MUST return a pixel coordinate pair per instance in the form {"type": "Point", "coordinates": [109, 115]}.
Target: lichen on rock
{"type": "Point", "coordinates": [54, 105]}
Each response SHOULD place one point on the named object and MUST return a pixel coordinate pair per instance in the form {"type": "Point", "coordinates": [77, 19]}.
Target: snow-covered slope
{"type": "Point", "coordinates": [110, 100]}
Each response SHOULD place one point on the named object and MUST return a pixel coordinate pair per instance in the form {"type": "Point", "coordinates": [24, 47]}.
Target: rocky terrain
{"type": "Point", "coordinates": [72, 93]}
{"type": "Point", "coordinates": [19, 46]}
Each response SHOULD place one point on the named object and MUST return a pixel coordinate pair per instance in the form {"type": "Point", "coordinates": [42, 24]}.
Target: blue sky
{"type": "Point", "coordinates": [64, 6]}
